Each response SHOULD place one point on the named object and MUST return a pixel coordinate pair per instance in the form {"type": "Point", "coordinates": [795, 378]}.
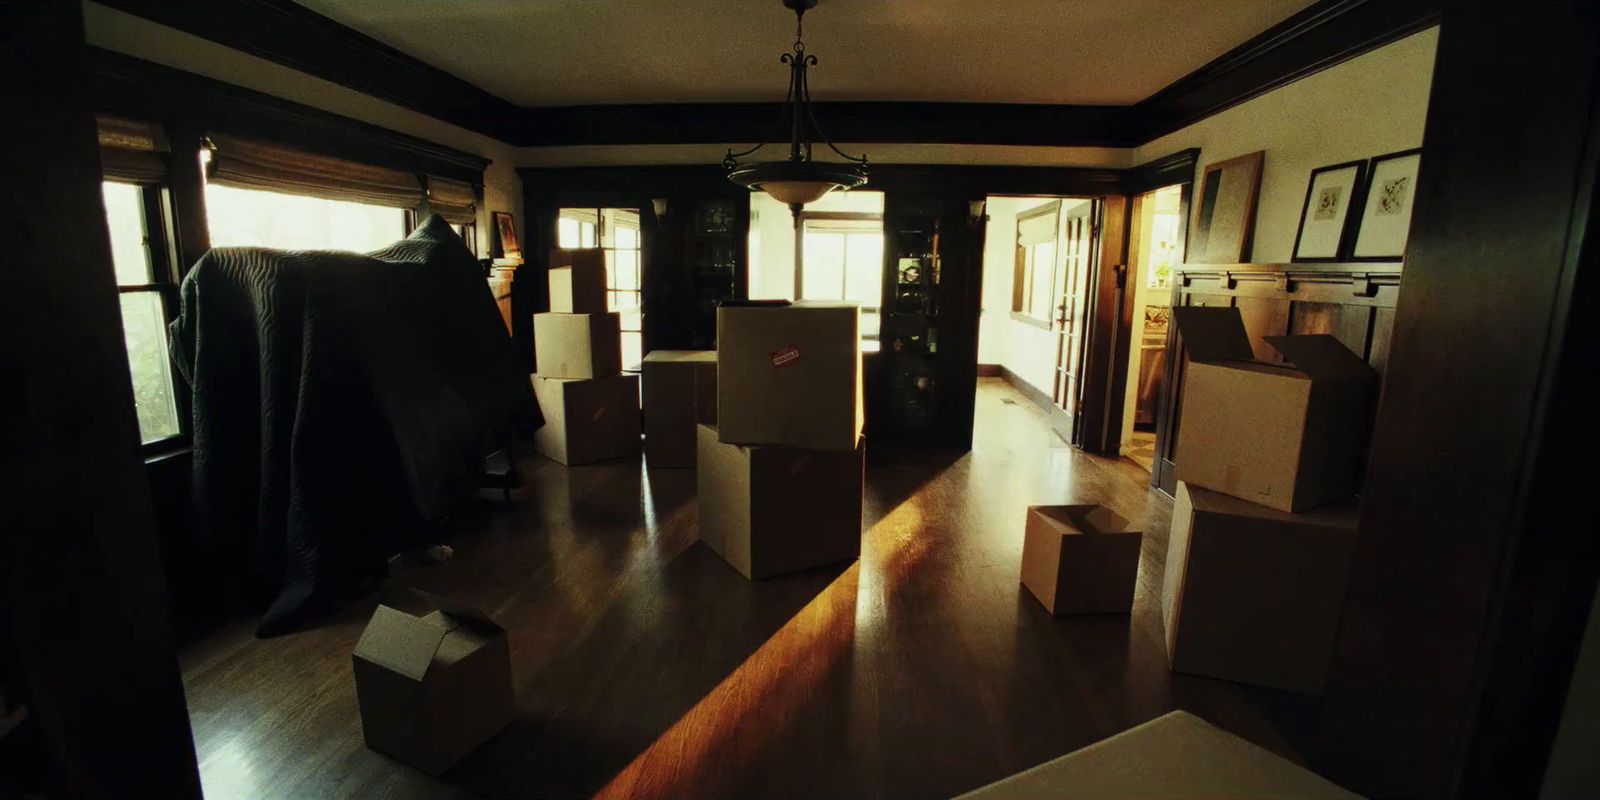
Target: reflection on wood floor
{"type": "Point", "coordinates": [645, 666]}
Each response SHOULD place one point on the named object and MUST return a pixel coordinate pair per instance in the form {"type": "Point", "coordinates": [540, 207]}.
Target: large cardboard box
{"type": "Point", "coordinates": [1177, 755]}
{"type": "Point", "coordinates": [1288, 436]}
{"type": "Point", "coordinates": [790, 375]}
{"type": "Point", "coordinates": [771, 510]}
{"type": "Point", "coordinates": [680, 391]}
{"type": "Point", "coordinates": [432, 688]}
{"type": "Point", "coordinates": [587, 420]}
{"type": "Point", "coordinates": [1252, 594]}
{"type": "Point", "coordinates": [1080, 559]}
{"type": "Point", "coordinates": [577, 281]}
{"type": "Point", "coordinates": [578, 345]}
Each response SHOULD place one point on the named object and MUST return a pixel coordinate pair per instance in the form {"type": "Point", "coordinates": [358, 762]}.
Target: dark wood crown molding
{"type": "Point", "coordinates": [131, 87]}
{"type": "Point", "coordinates": [1320, 36]}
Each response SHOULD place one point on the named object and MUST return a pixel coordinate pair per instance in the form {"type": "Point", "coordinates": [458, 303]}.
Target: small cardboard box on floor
{"type": "Point", "coordinates": [432, 688]}
{"type": "Point", "coordinates": [771, 510]}
{"type": "Point", "coordinates": [587, 420]}
{"type": "Point", "coordinates": [1287, 436]}
{"type": "Point", "coordinates": [1080, 559]}
{"type": "Point", "coordinates": [577, 345]}
{"type": "Point", "coordinates": [1177, 755]}
{"type": "Point", "coordinates": [790, 374]}
{"type": "Point", "coordinates": [577, 281]}
{"type": "Point", "coordinates": [1252, 594]}
{"type": "Point", "coordinates": [680, 391]}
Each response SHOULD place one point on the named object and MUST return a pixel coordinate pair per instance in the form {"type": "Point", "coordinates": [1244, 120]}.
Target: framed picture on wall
{"type": "Point", "coordinates": [505, 236]}
{"type": "Point", "coordinates": [1325, 219]}
{"type": "Point", "coordinates": [1228, 192]}
{"type": "Point", "coordinates": [1386, 215]}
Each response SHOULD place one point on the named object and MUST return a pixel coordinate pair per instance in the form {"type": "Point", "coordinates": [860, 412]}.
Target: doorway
{"type": "Point", "coordinates": [1156, 239]}
{"type": "Point", "coordinates": [1038, 267]}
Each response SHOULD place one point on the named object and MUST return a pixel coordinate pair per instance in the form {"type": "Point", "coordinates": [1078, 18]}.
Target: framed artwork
{"type": "Point", "coordinates": [1325, 219]}
{"type": "Point", "coordinates": [1386, 215]}
{"type": "Point", "coordinates": [1227, 213]}
{"type": "Point", "coordinates": [505, 236]}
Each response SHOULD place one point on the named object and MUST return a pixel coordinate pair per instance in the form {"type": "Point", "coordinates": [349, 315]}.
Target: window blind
{"type": "Point", "coordinates": [250, 164]}
{"type": "Point", "coordinates": [454, 200]}
{"type": "Point", "coordinates": [132, 151]}
{"type": "Point", "coordinates": [1037, 230]}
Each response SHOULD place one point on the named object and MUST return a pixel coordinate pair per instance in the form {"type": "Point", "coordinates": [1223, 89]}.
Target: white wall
{"type": "Point", "coordinates": [125, 33]}
{"type": "Point", "coordinates": [649, 154]}
{"type": "Point", "coordinates": [1370, 105]}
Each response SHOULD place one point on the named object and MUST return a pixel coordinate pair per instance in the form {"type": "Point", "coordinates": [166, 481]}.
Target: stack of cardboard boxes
{"type": "Point", "coordinates": [591, 409]}
{"type": "Point", "coordinates": [781, 468]}
{"type": "Point", "coordinates": [1268, 462]}
{"type": "Point", "coordinates": [680, 392]}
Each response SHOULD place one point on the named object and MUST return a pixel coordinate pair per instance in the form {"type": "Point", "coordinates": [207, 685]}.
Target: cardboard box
{"type": "Point", "coordinates": [790, 375]}
{"type": "Point", "coordinates": [771, 510]}
{"type": "Point", "coordinates": [578, 281]}
{"type": "Point", "coordinates": [1288, 436]}
{"type": "Point", "coordinates": [1252, 594]}
{"type": "Point", "coordinates": [680, 391]}
{"type": "Point", "coordinates": [1080, 559]}
{"type": "Point", "coordinates": [577, 345]}
{"type": "Point", "coordinates": [432, 688]}
{"type": "Point", "coordinates": [587, 420]}
{"type": "Point", "coordinates": [1177, 755]}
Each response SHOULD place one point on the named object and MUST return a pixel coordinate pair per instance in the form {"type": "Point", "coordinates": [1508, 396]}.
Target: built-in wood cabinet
{"type": "Point", "coordinates": [1354, 302]}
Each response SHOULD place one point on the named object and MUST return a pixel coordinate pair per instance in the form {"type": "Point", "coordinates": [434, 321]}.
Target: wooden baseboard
{"type": "Point", "coordinates": [1058, 419]}
{"type": "Point", "coordinates": [991, 371]}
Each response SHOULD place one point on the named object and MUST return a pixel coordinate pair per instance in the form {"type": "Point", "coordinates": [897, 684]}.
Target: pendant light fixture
{"type": "Point", "coordinates": [797, 180]}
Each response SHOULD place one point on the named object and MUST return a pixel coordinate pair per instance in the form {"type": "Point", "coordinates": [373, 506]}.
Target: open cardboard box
{"type": "Point", "coordinates": [1287, 436]}
{"type": "Point", "coordinates": [1080, 559]}
{"type": "Point", "coordinates": [432, 688]}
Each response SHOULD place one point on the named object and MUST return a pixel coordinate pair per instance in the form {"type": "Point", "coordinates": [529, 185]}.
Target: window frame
{"type": "Point", "coordinates": [598, 233]}
{"type": "Point", "coordinates": [157, 218]}
{"type": "Point", "coordinates": [1025, 266]}
{"type": "Point", "coordinates": [808, 217]}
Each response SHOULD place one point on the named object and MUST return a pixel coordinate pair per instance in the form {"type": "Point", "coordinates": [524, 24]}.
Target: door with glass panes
{"type": "Point", "coordinates": [616, 231]}
{"type": "Point", "coordinates": [1072, 307]}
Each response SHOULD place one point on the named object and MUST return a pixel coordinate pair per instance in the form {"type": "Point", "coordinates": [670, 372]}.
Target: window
{"type": "Point", "coordinates": [1038, 259]}
{"type": "Point", "coordinates": [841, 258]}
{"type": "Point", "coordinates": [616, 230]}
{"type": "Point", "coordinates": [255, 218]}
{"type": "Point", "coordinates": [139, 258]}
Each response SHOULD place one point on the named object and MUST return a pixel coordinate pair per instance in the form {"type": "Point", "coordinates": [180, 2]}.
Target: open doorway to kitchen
{"type": "Point", "coordinates": [1156, 248]}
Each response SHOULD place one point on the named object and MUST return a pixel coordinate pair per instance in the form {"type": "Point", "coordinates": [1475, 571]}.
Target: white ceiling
{"type": "Point", "coordinates": [578, 52]}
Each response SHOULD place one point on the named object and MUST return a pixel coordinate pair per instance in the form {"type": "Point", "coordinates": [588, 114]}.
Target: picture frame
{"type": "Point", "coordinates": [1385, 222]}
{"type": "Point", "coordinates": [1225, 222]}
{"type": "Point", "coordinates": [1326, 221]}
{"type": "Point", "coordinates": [505, 235]}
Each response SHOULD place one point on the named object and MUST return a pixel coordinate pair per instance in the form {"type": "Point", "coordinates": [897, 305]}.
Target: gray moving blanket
{"type": "Point", "coordinates": [339, 401]}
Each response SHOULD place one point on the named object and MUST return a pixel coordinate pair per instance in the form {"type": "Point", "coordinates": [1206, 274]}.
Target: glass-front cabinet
{"type": "Point", "coordinates": [716, 238]}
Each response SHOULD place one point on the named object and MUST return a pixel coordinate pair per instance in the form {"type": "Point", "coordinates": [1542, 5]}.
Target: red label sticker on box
{"type": "Point", "coordinates": [785, 356]}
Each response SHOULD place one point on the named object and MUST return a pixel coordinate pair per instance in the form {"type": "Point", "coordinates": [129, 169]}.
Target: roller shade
{"type": "Point", "coordinates": [453, 200]}
{"type": "Point", "coordinates": [132, 151]}
{"type": "Point", "coordinates": [1037, 230]}
{"type": "Point", "coordinates": [250, 164]}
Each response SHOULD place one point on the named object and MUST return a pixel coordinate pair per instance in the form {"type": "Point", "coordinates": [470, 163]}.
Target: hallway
{"type": "Point", "coordinates": [646, 666]}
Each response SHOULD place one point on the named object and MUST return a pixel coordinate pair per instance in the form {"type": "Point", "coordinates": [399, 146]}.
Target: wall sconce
{"type": "Point", "coordinates": [975, 209]}
{"type": "Point", "coordinates": [660, 206]}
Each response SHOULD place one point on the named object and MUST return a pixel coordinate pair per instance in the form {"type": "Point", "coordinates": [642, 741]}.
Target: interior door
{"type": "Point", "coordinates": [1072, 308]}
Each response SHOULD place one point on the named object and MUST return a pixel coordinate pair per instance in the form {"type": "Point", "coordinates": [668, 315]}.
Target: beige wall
{"type": "Point", "coordinates": [647, 154]}
{"type": "Point", "coordinates": [1026, 349]}
{"type": "Point", "coordinates": [121, 32]}
{"type": "Point", "coordinates": [1367, 106]}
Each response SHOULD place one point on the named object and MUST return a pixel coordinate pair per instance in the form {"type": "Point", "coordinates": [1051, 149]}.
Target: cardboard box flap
{"type": "Point", "coordinates": [400, 642]}
{"type": "Point", "coordinates": [460, 613]}
{"type": "Point", "coordinates": [1212, 333]}
{"type": "Point", "coordinates": [1321, 356]}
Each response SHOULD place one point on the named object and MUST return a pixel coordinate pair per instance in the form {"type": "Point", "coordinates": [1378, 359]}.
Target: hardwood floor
{"type": "Point", "coordinates": [646, 666]}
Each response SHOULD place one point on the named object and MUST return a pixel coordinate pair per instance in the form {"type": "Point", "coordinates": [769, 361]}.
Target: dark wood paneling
{"type": "Point", "coordinates": [145, 90]}
{"type": "Point", "coordinates": [81, 586]}
{"type": "Point", "coordinates": [1101, 403]}
{"type": "Point", "coordinates": [1178, 168]}
{"type": "Point", "coordinates": [297, 37]}
{"type": "Point", "coordinates": [1473, 574]}
{"type": "Point", "coordinates": [1263, 317]}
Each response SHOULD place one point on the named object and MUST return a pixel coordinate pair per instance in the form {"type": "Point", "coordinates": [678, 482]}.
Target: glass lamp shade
{"type": "Point", "coordinates": [795, 183]}
{"type": "Point", "coordinates": [797, 193]}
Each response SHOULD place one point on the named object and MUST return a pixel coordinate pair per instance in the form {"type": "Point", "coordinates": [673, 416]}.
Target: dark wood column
{"type": "Point", "coordinates": [82, 592]}
{"type": "Point", "coordinates": [1476, 565]}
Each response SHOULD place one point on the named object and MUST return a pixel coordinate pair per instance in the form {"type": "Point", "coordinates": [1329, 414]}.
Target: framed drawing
{"type": "Point", "coordinates": [1325, 219]}
{"type": "Point", "coordinates": [1386, 214]}
{"type": "Point", "coordinates": [1227, 213]}
{"type": "Point", "coordinates": [505, 236]}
